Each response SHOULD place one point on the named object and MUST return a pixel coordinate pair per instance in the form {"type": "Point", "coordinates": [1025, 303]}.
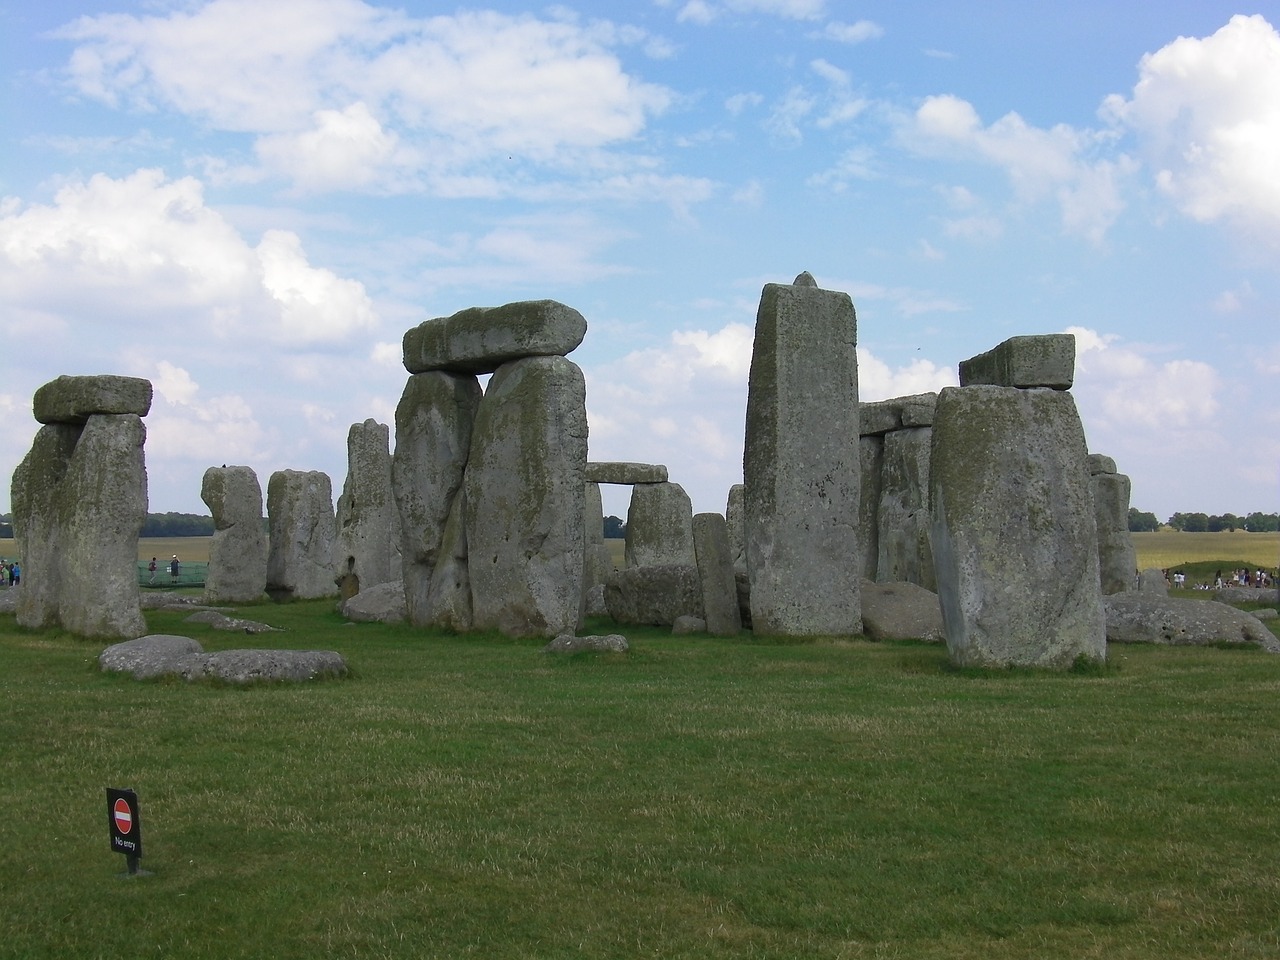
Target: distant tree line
{"type": "Point", "coordinates": [614, 528]}
{"type": "Point", "coordinates": [1256, 522]}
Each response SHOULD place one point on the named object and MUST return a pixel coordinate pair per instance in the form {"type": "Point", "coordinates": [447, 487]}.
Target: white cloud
{"type": "Point", "coordinates": [857, 32]}
{"type": "Point", "coordinates": [344, 149]}
{"type": "Point", "coordinates": [1207, 112]}
{"type": "Point", "coordinates": [878, 381]}
{"type": "Point", "coordinates": [739, 102]}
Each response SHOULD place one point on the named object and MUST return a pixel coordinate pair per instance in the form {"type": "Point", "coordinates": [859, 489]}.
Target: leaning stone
{"type": "Point", "coordinates": [1014, 537]}
{"type": "Point", "coordinates": [659, 525]}
{"type": "Point", "coordinates": [257, 666]}
{"type": "Point", "coordinates": [715, 570]}
{"type": "Point", "coordinates": [300, 512]}
{"type": "Point", "coordinates": [902, 521]}
{"type": "Point", "coordinates": [687, 625]}
{"type": "Point", "coordinates": [654, 595]}
{"type": "Point", "coordinates": [524, 486]}
{"type": "Point", "coordinates": [1148, 618]}
{"type": "Point", "coordinates": [154, 655]}
{"type": "Point", "coordinates": [481, 339]}
{"type": "Point", "coordinates": [800, 463]}
{"type": "Point", "coordinates": [383, 603]}
{"type": "Point", "coordinates": [75, 399]}
{"type": "Point", "coordinates": [1153, 581]}
{"type": "Point", "coordinates": [568, 643]}
{"type": "Point", "coordinates": [367, 544]}
{"type": "Point", "coordinates": [1048, 360]}
{"type": "Point", "coordinates": [616, 471]}
{"type": "Point", "coordinates": [1117, 559]}
{"type": "Point", "coordinates": [237, 571]}
{"type": "Point", "coordinates": [901, 611]}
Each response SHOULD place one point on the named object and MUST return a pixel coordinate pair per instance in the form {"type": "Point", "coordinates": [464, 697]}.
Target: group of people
{"type": "Point", "coordinates": [10, 573]}
{"type": "Point", "coordinates": [1243, 578]}
{"type": "Point", "coordinates": [175, 569]}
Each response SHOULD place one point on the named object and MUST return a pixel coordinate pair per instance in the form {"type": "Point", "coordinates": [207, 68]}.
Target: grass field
{"type": "Point", "coordinates": [472, 797]}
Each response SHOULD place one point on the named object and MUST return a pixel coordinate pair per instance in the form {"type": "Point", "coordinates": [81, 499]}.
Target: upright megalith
{"type": "Point", "coordinates": [524, 485]}
{"type": "Point", "coordinates": [1117, 559]}
{"type": "Point", "coordinates": [238, 551]}
{"type": "Point", "coordinates": [871, 467]}
{"type": "Point", "coordinates": [715, 572]}
{"type": "Point", "coordinates": [735, 518]}
{"type": "Point", "coordinates": [801, 463]}
{"type": "Point", "coordinates": [481, 339]}
{"type": "Point", "coordinates": [301, 529]}
{"type": "Point", "coordinates": [1013, 533]}
{"type": "Point", "coordinates": [367, 549]}
{"type": "Point", "coordinates": [79, 501]}
{"type": "Point", "coordinates": [903, 520]}
{"type": "Point", "coordinates": [659, 525]}
{"type": "Point", "coordinates": [597, 564]}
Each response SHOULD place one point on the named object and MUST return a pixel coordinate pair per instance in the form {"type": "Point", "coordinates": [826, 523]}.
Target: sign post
{"type": "Point", "coordinates": [125, 826]}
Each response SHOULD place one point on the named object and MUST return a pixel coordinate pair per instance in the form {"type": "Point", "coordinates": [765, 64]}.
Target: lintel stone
{"type": "Point", "coordinates": [75, 399]}
{"type": "Point", "coordinates": [1048, 360]}
{"type": "Point", "coordinates": [617, 471]}
{"type": "Point", "coordinates": [481, 339]}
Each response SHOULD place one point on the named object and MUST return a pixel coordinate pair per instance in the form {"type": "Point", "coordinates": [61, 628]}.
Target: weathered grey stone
{"type": "Point", "coordinates": [76, 399]}
{"type": "Point", "coordinates": [735, 518]}
{"type": "Point", "coordinates": [367, 546]}
{"type": "Point", "coordinates": [615, 471]}
{"type": "Point", "coordinates": [79, 501]}
{"type": "Point", "coordinates": [597, 563]}
{"type": "Point", "coordinates": [434, 421]}
{"type": "Point", "coordinates": [902, 523]}
{"type": "Point", "coordinates": [524, 485]}
{"type": "Point", "coordinates": [1014, 538]}
{"type": "Point", "coordinates": [659, 525]}
{"type": "Point", "coordinates": [382, 604]}
{"type": "Point", "coordinates": [154, 655]}
{"type": "Point", "coordinates": [449, 598]}
{"type": "Point", "coordinates": [901, 611]}
{"type": "Point", "coordinates": [301, 532]}
{"type": "Point", "coordinates": [715, 570]}
{"type": "Point", "coordinates": [595, 606]}
{"type": "Point", "coordinates": [237, 570]}
{"type": "Point", "coordinates": [654, 595]}
{"type": "Point", "coordinates": [567, 643]}
{"type": "Point", "coordinates": [881, 416]}
{"type": "Point", "coordinates": [1117, 560]}
{"type": "Point", "coordinates": [1048, 360]}
{"type": "Point", "coordinates": [800, 463]}
{"type": "Point", "coordinates": [1149, 618]}
{"type": "Point", "coordinates": [687, 625]}
{"type": "Point", "coordinates": [481, 339]}
{"type": "Point", "coordinates": [918, 410]}
{"type": "Point", "coordinates": [1245, 594]}
{"type": "Point", "coordinates": [1100, 464]}
{"type": "Point", "coordinates": [871, 466]}
{"type": "Point", "coordinates": [1153, 581]}
{"type": "Point", "coordinates": [265, 666]}
{"type": "Point", "coordinates": [1266, 614]}
{"type": "Point", "coordinates": [220, 621]}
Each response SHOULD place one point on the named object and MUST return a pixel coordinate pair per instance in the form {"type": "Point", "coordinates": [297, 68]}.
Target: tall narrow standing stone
{"type": "Point", "coordinates": [659, 525]}
{"type": "Point", "coordinates": [238, 551]}
{"type": "Point", "coordinates": [301, 523]}
{"type": "Point", "coordinates": [715, 571]}
{"type": "Point", "coordinates": [903, 521]}
{"type": "Point", "coordinates": [368, 539]}
{"type": "Point", "coordinates": [801, 463]}
{"type": "Point", "coordinates": [871, 464]}
{"type": "Point", "coordinates": [1117, 560]}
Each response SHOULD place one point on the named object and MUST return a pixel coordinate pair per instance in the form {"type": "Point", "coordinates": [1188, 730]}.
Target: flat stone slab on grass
{"type": "Point", "coordinates": [567, 643]}
{"type": "Point", "coordinates": [1151, 618]}
{"type": "Point", "coordinates": [76, 399]}
{"type": "Point", "coordinates": [160, 655]}
{"type": "Point", "coordinates": [220, 621]}
{"type": "Point", "coordinates": [1048, 360]}
{"type": "Point", "coordinates": [901, 611]}
{"type": "Point", "coordinates": [481, 339]}
{"type": "Point", "coordinates": [623, 472]}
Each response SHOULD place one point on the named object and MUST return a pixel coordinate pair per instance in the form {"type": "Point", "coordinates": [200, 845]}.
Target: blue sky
{"type": "Point", "coordinates": [249, 203]}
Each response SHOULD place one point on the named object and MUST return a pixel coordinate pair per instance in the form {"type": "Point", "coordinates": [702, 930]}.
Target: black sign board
{"type": "Point", "coordinates": [125, 825]}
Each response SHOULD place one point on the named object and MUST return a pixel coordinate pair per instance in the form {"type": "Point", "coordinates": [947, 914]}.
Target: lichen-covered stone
{"type": "Point", "coordinates": [301, 531]}
{"type": "Point", "coordinates": [524, 483]}
{"type": "Point", "coordinates": [881, 416]}
{"type": "Point", "coordinates": [715, 570]}
{"type": "Point", "coordinates": [1014, 537]}
{"type": "Point", "coordinates": [871, 465]}
{"type": "Point", "coordinates": [481, 339]}
{"type": "Point", "coordinates": [1048, 360]}
{"type": "Point", "coordinates": [1153, 581]}
{"type": "Point", "coordinates": [597, 563]}
{"type": "Point", "coordinates": [659, 525]}
{"type": "Point", "coordinates": [383, 603]}
{"type": "Point", "coordinates": [801, 463]}
{"type": "Point", "coordinates": [1151, 618]}
{"type": "Point", "coordinates": [903, 521]}
{"type": "Point", "coordinates": [1117, 559]}
{"type": "Point", "coordinates": [901, 611]}
{"type": "Point", "coordinates": [567, 643]}
{"type": "Point", "coordinates": [237, 570]}
{"type": "Point", "coordinates": [620, 472]}
{"type": "Point", "coordinates": [75, 399]}
{"type": "Point", "coordinates": [1100, 463]}
{"type": "Point", "coordinates": [367, 546]}
{"type": "Point", "coordinates": [654, 595]}
{"type": "Point", "coordinates": [735, 518]}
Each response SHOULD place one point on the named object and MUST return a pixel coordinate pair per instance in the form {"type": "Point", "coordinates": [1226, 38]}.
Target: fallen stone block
{"type": "Point", "coordinates": [901, 611]}
{"type": "Point", "coordinates": [567, 643]}
{"type": "Point", "coordinates": [220, 621]}
{"type": "Point", "coordinates": [150, 656]}
{"type": "Point", "coordinates": [1178, 621]}
{"type": "Point", "coordinates": [654, 595]}
{"type": "Point", "coordinates": [383, 603]}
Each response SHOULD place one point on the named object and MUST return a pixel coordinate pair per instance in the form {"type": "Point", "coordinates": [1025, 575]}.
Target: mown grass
{"type": "Point", "coordinates": [473, 797]}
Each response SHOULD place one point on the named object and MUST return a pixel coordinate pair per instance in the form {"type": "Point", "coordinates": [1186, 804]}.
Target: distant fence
{"type": "Point", "coordinates": [189, 575]}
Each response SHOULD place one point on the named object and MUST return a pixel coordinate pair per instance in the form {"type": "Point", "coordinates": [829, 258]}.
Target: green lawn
{"type": "Point", "coordinates": [472, 797]}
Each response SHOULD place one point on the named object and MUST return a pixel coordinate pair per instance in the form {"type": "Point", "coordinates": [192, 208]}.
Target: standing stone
{"type": "Point", "coordinates": [1117, 559]}
{"type": "Point", "coordinates": [238, 551]}
{"type": "Point", "coordinates": [659, 525]}
{"type": "Point", "coordinates": [368, 537]}
{"type": "Point", "coordinates": [597, 564]}
{"type": "Point", "coordinates": [301, 523]}
{"type": "Point", "coordinates": [735, 517]}
{"type": "Point", "coordinates": [903, 521]}
{"type": "Point", "coordinates": [715, 571]}
{"type": "Point", "coordinates": [79, 502]}
{"type": "Point", "coordinates": [871, 466]}
{"type": "Point", "coordinates": [1014, 539]}
{"type": "Point", "coordinates": [524, 484]}
{"type": "Point", "coordinates": [448, 604]}
{"type": "Point", "coordinates": [801, 464]}
{"type": "Point", "coordinates": [434, 420]}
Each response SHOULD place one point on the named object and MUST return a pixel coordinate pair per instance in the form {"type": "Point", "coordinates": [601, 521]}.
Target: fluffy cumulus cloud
{"type": "Point", "coordinates": [1207, 113]}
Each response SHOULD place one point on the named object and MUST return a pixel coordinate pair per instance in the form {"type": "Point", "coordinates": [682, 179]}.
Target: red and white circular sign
{"type": "Point", "coordinates": [122, 815]}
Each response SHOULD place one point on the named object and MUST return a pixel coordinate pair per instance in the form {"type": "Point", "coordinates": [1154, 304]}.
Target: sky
{"type": "Point", "coordinates": [249, 203]}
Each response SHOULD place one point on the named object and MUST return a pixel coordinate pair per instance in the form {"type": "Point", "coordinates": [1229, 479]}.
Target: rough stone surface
{"type": "Point", "coordinates": [597, 563]}
{"type": "Point", "coordinates": [659, 526]}
{"type": "Point", "coordinates": [154, 655]}
{"type": "Point", "coordinates": [881, 416]}
{"type": "Point", "coordinates": [481, 339]}
{"type": "Point", "coordinates": [567, 643]}
{"type": "Point", "coordinates": [159, 655]}
{"type": "Point", "coordinates": [1048, 360]}
{"type": "Point", "coordinates": [903, 519]}
{"type": "Point", "coordinates": [237, 570]}
{"type": "Point", "coordinates": [654, 595]}
{"type": "Point", "coordinates": [901, 611]}
{"type": "Point", "coordinates": [1153, 581]}
{"type": "Point", "coordinates": [75, 399]}
{"type": "Point", "coordinates": [1100, 463]}
{"type": "Point", "coordinates": [1246, 595]}
{"type": "Point", "coordinates": [871, 465]}
{"type": "Point", "coordinates": [735, 518]}
{"type": "Point", "coordinates": [301, 525]}
{"type": "Point", "coordinates": [367, 544]}
{"type": "Point", "coordinates": [1014, 538]}
{"type": "Point", "coordinates": [79, 501]}
{"type": "Point", "coordinates": [382, 604]}
{"type": "Point", "coordinates": [524, 485]}
{"type": "Point", "coordinates": [684, 626]}
{"type": "Point", "coordinates": [620, 472]}
{"type": "Point", "coordinates": [220, 621]}
{"type": "Point", "coordinates": [1117, 560]}
{"type": "Point", "coordinates": [595, 606]}
{"type": "Point", "coordinates": [715, 570]}
{"type": "Point", "coordinates": [449, 597]}
{"type": "Point", "coordinates": [1149, 618]}
{"type": "Point", "coordinates": [1266, 614]}
{"type": "Point", "coordinates": [801, 463]}
{"type": "Point", "coordinates": [434, 420]}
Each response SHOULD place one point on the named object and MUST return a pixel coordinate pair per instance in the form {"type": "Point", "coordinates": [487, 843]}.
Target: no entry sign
{"type": "Point", "coordinates": [124, 824]}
